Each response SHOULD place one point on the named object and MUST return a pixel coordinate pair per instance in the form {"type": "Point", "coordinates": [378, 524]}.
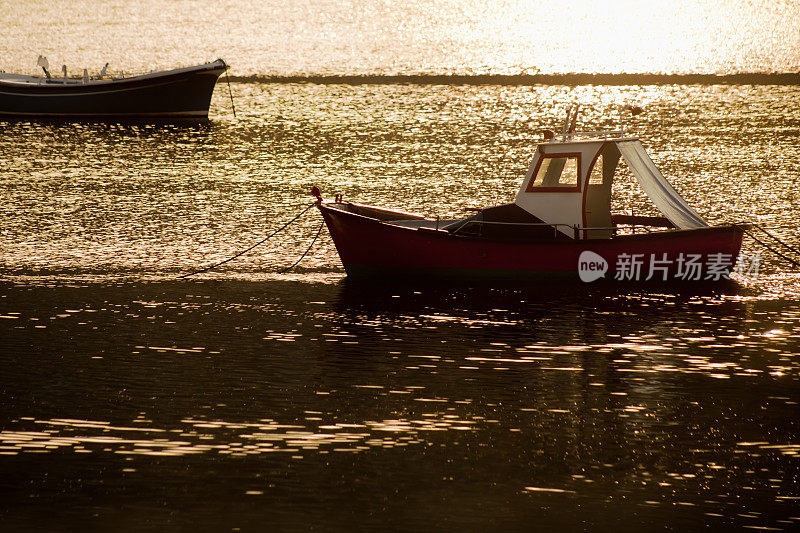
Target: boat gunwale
{"type": "Point", "coordinates": [658, 235]}
{"type": "Point", "coordinates": [46, 87]}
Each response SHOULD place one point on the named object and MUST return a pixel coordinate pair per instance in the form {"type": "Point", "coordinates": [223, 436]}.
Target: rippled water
{"type": "Point", "coordinates": [154, 201]}
{"type": "Point", "coordinates": [130, 398]}
{"type": "Point", "coordinates": [222, 404]}
{"type": "Point", "coordinates": [133, 400]}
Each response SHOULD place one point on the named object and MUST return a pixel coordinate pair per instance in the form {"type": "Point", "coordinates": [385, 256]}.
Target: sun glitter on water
{"type": "Point", "coordinates": [368, 37]}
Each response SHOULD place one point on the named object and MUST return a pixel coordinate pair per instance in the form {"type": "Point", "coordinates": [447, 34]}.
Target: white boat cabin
{"type": "Point", "coordinates": [568, 186]}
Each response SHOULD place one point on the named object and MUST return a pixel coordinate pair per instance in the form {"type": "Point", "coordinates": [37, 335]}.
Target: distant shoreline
{"type": "Point", "coordinates": [532, 79]}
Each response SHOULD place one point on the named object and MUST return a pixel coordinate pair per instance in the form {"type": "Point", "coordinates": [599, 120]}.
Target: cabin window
{"type": "Point", "coordinates": [556, 173]}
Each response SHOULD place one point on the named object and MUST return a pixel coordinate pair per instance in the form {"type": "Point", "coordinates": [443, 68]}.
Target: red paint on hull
{"type": "Point", "coordinates": [369, 247]}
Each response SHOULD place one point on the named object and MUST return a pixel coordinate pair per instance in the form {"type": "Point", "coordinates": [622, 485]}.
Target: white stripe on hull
{"type": "Point", "coordinates": [202, 113]}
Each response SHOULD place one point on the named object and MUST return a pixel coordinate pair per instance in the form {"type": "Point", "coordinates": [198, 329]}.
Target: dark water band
{"type": "Point", "coordinates": [790, 78]}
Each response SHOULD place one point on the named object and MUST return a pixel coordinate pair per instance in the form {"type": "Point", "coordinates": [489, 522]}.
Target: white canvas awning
{"type": "Point", "coordinates": [664, 196]}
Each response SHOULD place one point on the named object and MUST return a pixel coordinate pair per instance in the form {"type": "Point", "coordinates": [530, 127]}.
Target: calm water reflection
{"type": "Point", "coordinates": [324, 404]}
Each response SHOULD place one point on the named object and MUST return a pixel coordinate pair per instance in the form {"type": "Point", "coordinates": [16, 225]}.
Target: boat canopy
{"type": "Point", "coordinates": [667, 200]}
{"type": "Point", "coordinates": [569, 184]}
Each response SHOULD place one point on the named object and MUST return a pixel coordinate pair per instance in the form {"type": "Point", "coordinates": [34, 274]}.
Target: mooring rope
{"type": "Point", "coordinates": [262, 241]}
{"type": "Point", "coordinates": [773, 250]}
{"type": "Point", "coordinates": [319, 230]}
{"type": "Point", "coordinates": [785, 245]}
{"type": "Point", "coordinates": [230, 92]}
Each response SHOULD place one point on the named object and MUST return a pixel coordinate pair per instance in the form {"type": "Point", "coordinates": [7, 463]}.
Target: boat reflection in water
{"type": "Point", "coordinates": [183, 93]}
{"type": "Point", "coordinates": [560, 226]}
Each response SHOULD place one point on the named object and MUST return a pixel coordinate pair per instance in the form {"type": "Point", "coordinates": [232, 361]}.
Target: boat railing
{"type": "Point", "coordinates": [603, 134]}
{"type": "Point", "coordinates": [73, 80]}
{"type": "Point", "coordinates": [616, 229]}
{"type": "Point", "coordinates": [576, 230]}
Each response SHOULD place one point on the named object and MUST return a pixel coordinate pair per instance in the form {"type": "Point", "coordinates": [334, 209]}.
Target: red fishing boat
{"type": "Point", "coordinates": [559, 226]}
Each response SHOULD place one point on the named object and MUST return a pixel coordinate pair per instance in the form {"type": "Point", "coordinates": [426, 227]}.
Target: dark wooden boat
{"type": "Point", "coordinates": [183, 93]}
{"type": "Point", "coordinates": [560, 226]}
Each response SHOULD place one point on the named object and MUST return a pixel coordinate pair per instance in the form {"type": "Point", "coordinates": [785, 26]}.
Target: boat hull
{"type": "Point", "coordinates": [177, 94]}
{"type": "Point", "coordinates": [369, 247]}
